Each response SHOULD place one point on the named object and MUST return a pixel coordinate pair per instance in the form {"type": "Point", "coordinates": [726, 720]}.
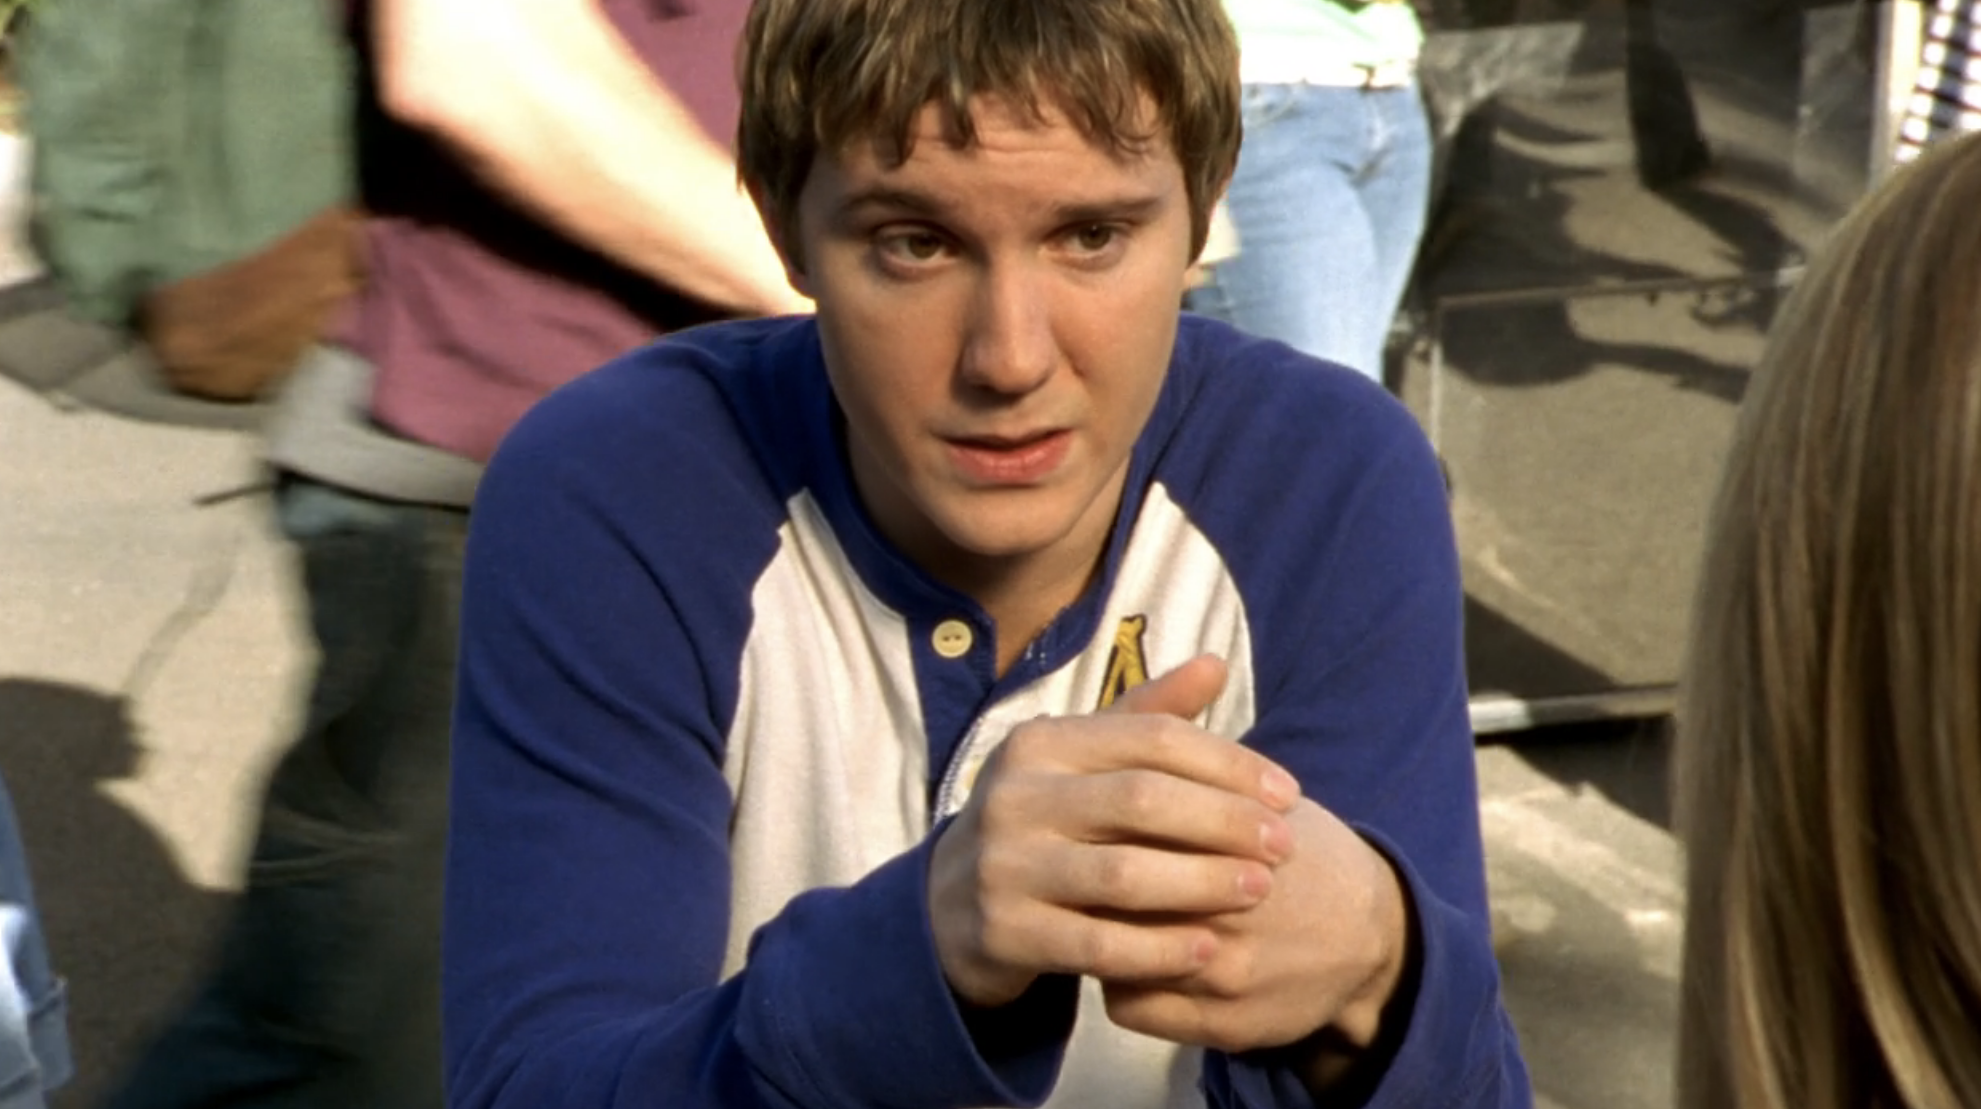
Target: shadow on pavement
{"type": "Point", "coordinates": [1595, 1021]}
{"type": "Point", "coordinates": [1585, 914]}
{"type": "Point", "coordinates": [1503, 657]}
{"type": "Point", "coordinates": [122, 919]}
{"type": "Point", "coordinates": [1626, 760]}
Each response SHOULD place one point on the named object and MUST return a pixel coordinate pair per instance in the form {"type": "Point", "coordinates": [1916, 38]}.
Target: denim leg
{"type": "Point", "coordinates": [325, 990]}
{"type": "Point", "coordinates": [1395, 187]}
{"type": "Point", "coordinates": [20, 1073]}
{"type": "Point", "coordinates": [34, 1047]}
{"type": "Point", "coordinates": [1328, 200]}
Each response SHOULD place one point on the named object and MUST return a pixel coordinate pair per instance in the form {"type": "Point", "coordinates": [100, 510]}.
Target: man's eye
{"type": "Point", "coordinates": [1096, 237]}
{"type": "Point", "coordinates": [912, 246]}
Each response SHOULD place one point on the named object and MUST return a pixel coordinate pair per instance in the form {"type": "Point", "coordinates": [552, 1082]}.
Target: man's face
{"type": "Point", "coordinates": [997, 321]}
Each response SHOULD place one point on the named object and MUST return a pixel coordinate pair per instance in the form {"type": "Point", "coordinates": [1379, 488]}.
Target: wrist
{"type": "Point", "coordinates": [1360, 1022]}
{"type": "Point", "coordinates": [1347, 1057]}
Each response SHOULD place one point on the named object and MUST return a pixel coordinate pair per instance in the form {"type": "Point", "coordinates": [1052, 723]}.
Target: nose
{"type": "Point", "coordinates": [1008, 346]}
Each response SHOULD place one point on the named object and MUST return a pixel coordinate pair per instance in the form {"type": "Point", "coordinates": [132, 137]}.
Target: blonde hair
{"type": "Point", "coordinates": [819, 75]}
{"type": "Point", "coordinates": [1829, 731]}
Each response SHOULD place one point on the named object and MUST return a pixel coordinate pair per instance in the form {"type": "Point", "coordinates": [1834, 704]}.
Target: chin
{"type": "Point", "coordinates": [1021, 527]}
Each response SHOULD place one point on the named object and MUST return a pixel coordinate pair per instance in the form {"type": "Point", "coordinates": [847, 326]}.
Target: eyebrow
{"type": "Point", "coordinates": [883, 196]}
{"type": "Point", "coordinates": [1131, 206]}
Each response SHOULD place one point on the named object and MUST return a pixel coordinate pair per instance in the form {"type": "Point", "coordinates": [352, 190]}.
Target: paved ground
{"type": "Point", "coordinates": [1588, 900]}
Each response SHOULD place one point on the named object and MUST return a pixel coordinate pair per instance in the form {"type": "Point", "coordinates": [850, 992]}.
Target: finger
{"type": "Point", "coordinates": [1183, 692]}
{"type": "Point", "coordinates": [1128, 878]}
{"type": "Point", "coordinates": [1098, 745]}
{"type": "Point", "coordinates": [1066, 941]}
{"type": "Point", "coordinates": [1156, 808]}
{"type": "Point", "coordinates": [1167, 1012]}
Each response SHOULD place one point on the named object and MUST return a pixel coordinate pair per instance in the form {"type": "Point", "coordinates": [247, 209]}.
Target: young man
{"type": "Point", "coordinates": [834, 723]}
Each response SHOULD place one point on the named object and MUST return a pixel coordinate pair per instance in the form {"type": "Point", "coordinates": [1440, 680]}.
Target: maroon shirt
{"type": "Point", "coordinates": [472, 310]}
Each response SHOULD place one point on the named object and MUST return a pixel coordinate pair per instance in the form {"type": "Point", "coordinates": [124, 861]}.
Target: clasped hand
{"type": "Point", "coordinates": [1184, 871]}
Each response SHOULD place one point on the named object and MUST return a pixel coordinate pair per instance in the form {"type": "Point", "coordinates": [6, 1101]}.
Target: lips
{"type": "Point", "coordinates": [1010, 460]}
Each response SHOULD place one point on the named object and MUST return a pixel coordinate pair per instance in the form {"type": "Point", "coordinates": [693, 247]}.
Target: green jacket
{"type": "Point", "coordinates": [171, 136]}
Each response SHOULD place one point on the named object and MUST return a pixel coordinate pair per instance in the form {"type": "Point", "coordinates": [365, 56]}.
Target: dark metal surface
{"type": "Point", "coordinates": [1626, 190]}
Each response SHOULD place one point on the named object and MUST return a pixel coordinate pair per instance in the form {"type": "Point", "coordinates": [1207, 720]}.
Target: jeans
{"type": "Point", "coordinates": [1329, 201]}
{"type": "Point", "coordinates": [325, 989]}
{"type": "Point", "coordinates": [34, 1046]}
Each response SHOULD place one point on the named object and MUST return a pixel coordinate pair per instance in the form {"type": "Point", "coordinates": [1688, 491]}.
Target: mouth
{"type": "Point", "coordinates": [1010, 460]}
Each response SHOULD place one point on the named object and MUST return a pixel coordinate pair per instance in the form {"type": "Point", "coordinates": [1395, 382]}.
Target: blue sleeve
{"type": "Point", "coordinates": [605, 601]}
{"type": "Point", "coordinates": [1359, 651]}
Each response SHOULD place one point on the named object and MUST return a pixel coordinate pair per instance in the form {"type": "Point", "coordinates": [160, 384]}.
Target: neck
{"type": "Point", "coordinates": [1025, 598]}
{"type": "Point", "coordinates": [1022, 590]}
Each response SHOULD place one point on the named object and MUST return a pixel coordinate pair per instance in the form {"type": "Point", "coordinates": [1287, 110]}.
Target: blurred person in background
{"type": "Point", "coordinates": [1829, 732]}
{"type": "Point", "coordinates": [1333, 180]}
{"type": "Point", "coordinates": [34, 1043]}
{"type": "Point", "coordinates": [549, 184]}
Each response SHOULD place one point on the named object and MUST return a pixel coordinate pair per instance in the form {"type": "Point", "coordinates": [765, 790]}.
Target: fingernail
{"type": "Point", "coordinates": [1276, 838]}
{"type": "Point", "coordinates": [1255, 884]}
{"type": "Point", "coordinates": [1279, 787]}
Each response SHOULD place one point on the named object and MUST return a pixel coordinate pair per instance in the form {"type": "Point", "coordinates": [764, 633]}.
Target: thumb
{"type": "Point", "coordinates": [1185, 691]}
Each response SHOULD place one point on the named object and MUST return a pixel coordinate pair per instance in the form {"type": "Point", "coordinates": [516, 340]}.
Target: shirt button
{"type": "Point", "coordinates": [952, 639]}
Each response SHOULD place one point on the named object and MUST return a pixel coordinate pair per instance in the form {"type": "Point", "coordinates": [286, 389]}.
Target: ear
{"type": "Point", "coordinates": [783, 239]}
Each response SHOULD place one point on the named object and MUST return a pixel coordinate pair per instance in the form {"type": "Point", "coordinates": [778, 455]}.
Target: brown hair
{"type": "Point", "coordinates": [819, 75]}
{"type": "Point", "coordinates": [1829, 745]}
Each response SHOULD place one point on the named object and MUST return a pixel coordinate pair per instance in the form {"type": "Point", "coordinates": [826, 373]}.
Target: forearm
{"type": "Point", "coordinates": [547, 103]}
{"type": "Point", "coordinates": [800, 1024]}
